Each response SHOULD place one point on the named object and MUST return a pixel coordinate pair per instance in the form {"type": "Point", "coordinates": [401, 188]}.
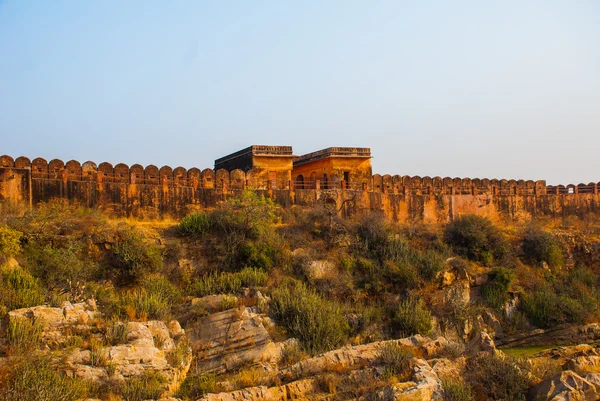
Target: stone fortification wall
{"type": "Point", "coordinates": [131, 190]}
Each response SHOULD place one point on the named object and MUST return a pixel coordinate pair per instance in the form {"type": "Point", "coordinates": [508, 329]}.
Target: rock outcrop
{"type": "Point", "coordinates": [227, 339]}
{"type": "Point", "coordinates": [82, 339]}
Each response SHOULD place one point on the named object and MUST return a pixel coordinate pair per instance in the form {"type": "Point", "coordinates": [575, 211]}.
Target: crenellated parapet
{"type": "Point", "coordinates": [135, 189]}
{"type": "Point", "coordinates": [222, 179]}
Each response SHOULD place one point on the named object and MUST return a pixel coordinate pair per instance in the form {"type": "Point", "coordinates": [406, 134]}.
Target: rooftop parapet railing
{"type": "Point", "coordinates": [336, 151]}
{"type": "Point", "coordinates": [258, 150]}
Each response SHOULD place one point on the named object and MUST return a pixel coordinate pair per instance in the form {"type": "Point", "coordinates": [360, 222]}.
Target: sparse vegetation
{"type": "Point", "coordinates": [411, 317]}
{"type": "Point", "coordinates": [317, 322]}
{"type": "Point", "coordinates": [377, 280]}
{"type": "Point", "coordinates": [34, 378]}
{"type": "Point", "coordinates": [476, 238]}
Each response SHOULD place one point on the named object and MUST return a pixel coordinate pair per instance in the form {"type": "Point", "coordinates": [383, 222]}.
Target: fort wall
{"type": "Point", "coordinates": [134, 190]}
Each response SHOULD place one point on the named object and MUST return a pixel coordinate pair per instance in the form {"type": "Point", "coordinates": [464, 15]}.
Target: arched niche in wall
{"type": "Point", "coordinates": [427, 181]}
{"type": "Point", "coordinates": [55, 169]}
{"type": "Point", "coordinates": [22, 162]}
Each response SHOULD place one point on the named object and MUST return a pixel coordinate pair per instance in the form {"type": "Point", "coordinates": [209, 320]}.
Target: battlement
{"type": "Point", "coordinates": [173, 190]}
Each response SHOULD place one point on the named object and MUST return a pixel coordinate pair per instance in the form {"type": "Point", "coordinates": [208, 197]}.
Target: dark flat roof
{"type": "Point", "coordinates": [259, 150]}
{"type": "Point", "coordinates": [333, 152]}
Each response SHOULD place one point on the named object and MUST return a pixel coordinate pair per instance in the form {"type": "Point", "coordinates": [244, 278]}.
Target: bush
{"type": "Point", "coordinates": [57, 266]}
{"type": "Point", "coordinates": [318, 323]}
{"type": "Point", "coordinates": [194, 225]}
{"type": "Point", "coordinates": [476, 238]}
{"type": "Point", "coordinates": [19, 289]}
{"type": "Point", "coordinates": [395, 359]}
{"type": "Point", "coordinates": [33, 378]}
{"type": "Point", "coordinates": [9, 242]}
{"type": "Point", "coordinates": [148, 386]}
{"type": "Point", "coordinates": [23, 333]}
{"type": "Point", "coordinates": [457, 390]}
{"type": "Point", "coordinates": [495, 292]}
{"type": "Point", "coordinates": [197, 385]}
{"type": "Point", "coordinates": [498, 378]}
{"type": "Point", "coordinates": [545, 308]}
{"type": "Point", "coordinates": [229, 283]}
{"type": "Point", "coordinates": [133, 257]}
{"type": "Point", "coordinates": [411, 317]}
{"type": "Point", "coordinates": [539, 246]}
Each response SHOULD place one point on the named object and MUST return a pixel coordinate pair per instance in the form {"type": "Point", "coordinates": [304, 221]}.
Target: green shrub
{"type": "Point", "coordinates": [476, 238]}
{"type": "Point", "coordinates": [229, 283]}
{"type": "Point", "coordinates": [318, 323]}
{"type": "Point", "coordinates": [9, 242]}
{"type": "Point", "coordinates": [539, 246]}
{"type": "Point", "coordinates": [147, 386]}
{"type": "Point", "coordinates": [34, 378]}
{"type": "Point", "coordinates": [116, 333]}
{"type": "Point", "coordinates": [495, 292]}
{"type": "Point", "coordinates": [23, 333]}
{"type": "Point", "coordinates": [248, 216]}
{"type": "Point", "coordinates": [395, 359]}
{"type": "Point", "coordinates": [496, 378]}
{"type": "Point", "coordinates": [133, 257]}
{"type": "Point", "coordinates": [541, 307]}
{"type": "Point", "coordinates": [194, 225]}
{"type": "Point", "coordinates": [197, 385]}
{"type": "Point", "coordinates": [56, 267]}
{"type": "Point", "coordinates": [411, 317]}
{"type": "Point", "coordinates": [457, 390]}
{"type": "Point", "coordinates": [138, 303]}
{"type": "Point", "coordinates": [19, 289]}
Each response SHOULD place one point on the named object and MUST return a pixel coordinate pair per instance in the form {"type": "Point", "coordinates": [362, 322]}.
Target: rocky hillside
{"type": "Point", "coordinates": [251, 302]}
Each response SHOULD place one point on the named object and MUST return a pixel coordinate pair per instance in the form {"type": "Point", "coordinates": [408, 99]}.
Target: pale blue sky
{"type": "Point", "coordinates": [497, 89]}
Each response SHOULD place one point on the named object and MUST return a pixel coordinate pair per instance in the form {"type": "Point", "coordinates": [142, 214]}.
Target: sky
{"type": "Point", "coordinates": [480, 89]}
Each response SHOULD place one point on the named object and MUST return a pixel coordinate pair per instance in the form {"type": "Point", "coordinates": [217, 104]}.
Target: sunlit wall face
{"type": "Point", "coordinates": [505, 89]}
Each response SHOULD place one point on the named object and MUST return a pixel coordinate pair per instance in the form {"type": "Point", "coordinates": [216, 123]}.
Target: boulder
{"type": "Point", "coordinates": [425, 384]}
{"type": "Point", "coordinates": [228, 339]}
{"type": "Point", "coordinates": [566, 386]}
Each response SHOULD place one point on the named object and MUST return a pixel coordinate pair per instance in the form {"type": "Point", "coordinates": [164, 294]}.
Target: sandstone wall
{"type": "Point", "coordinates": [133, 190]}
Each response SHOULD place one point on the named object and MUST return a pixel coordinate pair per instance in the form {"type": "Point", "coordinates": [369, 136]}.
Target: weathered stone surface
{"type": "Point", "coordinates": [298, 390]}
{"type": "Point", "coordinates": [481, 342]}
{"type": "Point", "coordinates": [227, 339]}
{"type": "Point", "coordinates": [148, 345]}
{"type": "Point", "coordinates": [358, 356]}
{"type": "Point", "coordinates": [566, 386]}
{"type": "Point", "coordinates": [425, 384]}
{"type": "Point", "coordinates": [559, 335]}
